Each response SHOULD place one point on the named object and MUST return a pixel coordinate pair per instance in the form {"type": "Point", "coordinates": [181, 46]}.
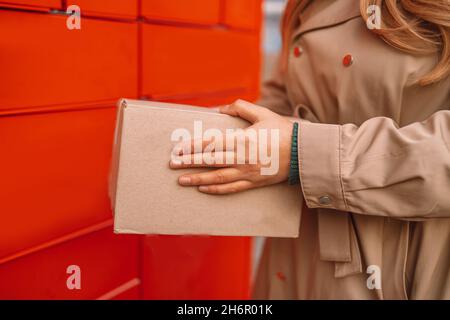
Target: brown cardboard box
{"type": "Point", "coordinates": [147, 199]}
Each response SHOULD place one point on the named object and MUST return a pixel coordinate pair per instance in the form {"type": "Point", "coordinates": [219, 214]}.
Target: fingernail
{"type": "Point", "coordinates": [173, 164]}
{"type": "Point", "coordinates": [203, 188]}
{"type": "Point", "coordinates": [185, 180]}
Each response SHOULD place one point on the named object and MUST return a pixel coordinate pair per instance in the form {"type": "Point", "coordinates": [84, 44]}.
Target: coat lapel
{"type": "Point", "coordinates": [326, 13]}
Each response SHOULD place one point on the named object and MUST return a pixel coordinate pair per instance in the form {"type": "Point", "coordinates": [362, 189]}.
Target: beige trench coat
{"type": "Point", "coordinates": [374, 157]}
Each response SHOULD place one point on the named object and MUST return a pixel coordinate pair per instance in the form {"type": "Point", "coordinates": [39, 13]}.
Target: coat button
{"type": "Point", "coordinates": [281, 276]}
{"type": "Point", "coordinates": [324, 200]}
{"type": "Point", "coordinates": [298, 51]}
{"type": "Point", "coordinates": [348, 60]}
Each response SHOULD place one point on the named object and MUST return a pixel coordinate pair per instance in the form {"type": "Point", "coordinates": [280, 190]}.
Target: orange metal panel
{"type": "Point", "coordinates": [129, 290]}
{"type": "Point", "coordinates": [54, 173]}
{"type": "Point", "coordinates": [191, 11]}
{"type": "Point", "coordinates": [49, 4]}
{"type": "Point", "coordinates": [132, 294]}
{"type": "Point", "coordinates": [48, 64]}
{"type": "Point", "coordinates": [114, 8]}
{"type": "Point", "coordinates": [54, 166]}
{"type": "Point", "coordinates": [105, 260]}
{"type": "Point", "coordinates": [245, 14]}
{"type": "Point", "coordinates": [190, 61]}
{"type": "Point", "coordinates": [186, 267]}
{"type": "Point", "coordinates": [199, 67]}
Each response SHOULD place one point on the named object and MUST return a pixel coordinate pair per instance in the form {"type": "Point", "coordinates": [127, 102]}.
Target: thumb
{"type": "Point", "coordinates": [245, 110]}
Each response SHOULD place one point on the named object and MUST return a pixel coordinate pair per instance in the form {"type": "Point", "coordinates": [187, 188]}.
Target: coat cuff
{"type": "Point", "coordinates": [319, 165]}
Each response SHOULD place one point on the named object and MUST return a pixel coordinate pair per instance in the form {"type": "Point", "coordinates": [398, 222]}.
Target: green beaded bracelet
{"type": "Point", "coordinates": [294, 177]}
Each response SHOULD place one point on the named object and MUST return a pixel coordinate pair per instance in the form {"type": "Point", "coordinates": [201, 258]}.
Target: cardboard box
{"type": "Point", "coordinates": [147, 199]}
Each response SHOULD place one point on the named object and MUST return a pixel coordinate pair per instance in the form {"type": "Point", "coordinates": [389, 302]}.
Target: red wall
{"type": "Point", "coordinates": [58, 89]}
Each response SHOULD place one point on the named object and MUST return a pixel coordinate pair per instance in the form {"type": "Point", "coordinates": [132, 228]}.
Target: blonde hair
{"type": "Point", "coordinates": [419, 27]}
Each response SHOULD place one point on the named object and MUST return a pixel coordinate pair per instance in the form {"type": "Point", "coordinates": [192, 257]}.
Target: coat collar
{"type": "Point", "coordinates": [320, 14]}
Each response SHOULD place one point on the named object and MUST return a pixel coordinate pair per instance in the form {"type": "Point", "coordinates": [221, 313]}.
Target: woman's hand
{"type": "Point", "coordinates": [239, 175]}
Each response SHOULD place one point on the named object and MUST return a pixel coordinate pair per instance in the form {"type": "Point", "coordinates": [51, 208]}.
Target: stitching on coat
{"type": "Point", "coordinates": [300, 168]}
{"type": "Point", "coordinates": [340, 168]}
{"type": "Point", "coordinates": [405, 261]}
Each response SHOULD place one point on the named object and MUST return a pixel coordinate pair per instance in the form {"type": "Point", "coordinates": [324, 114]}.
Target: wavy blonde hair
{"type": "Point", "coordinates": [419, 27]}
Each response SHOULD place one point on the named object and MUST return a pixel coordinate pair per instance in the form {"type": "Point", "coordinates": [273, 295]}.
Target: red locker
{"type": "Point", "coordinates": [186, 267]}
{"type": "Point", "coordinates": [131, 294]}
{"type": "Point", "coordinates": [105, 261]}
{"type": "Point", "coordinates": [129, 290]}
{"type": "Point", "coordinates": [109, 8]}
{"type": "Point", "coordinates": [244, 14]}
{"type": "Point", "coordinates": [57, 94]}
{"type": "Point", "coordinates": [190, 11]}
{"type": "Point", "coordinates": [48, 64]}
{"type": "Point", "coordinates": [194, 62]}
{"type": "Point", "coordinates": [32, 4]}
{"type": "Point", "coordinates": [54, 173]}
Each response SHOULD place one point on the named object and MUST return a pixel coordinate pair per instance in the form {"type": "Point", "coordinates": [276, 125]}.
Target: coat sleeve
{"type": "Point", "coordinates": [378, 168]}
{"type": "Point", "coordinates": [273, 93]}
